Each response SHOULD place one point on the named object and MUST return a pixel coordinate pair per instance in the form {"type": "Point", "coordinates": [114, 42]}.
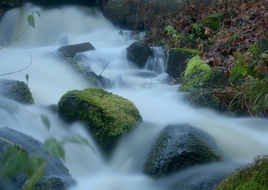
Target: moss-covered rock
{"type": "Point", "coordinates": [252, 176]}
{"type": "Point", "coordinates": [177, 61]}
{"type": "Point", "coordinates": [106, 115]}
{"type": "Point", "coordinates": [179, 147]}
{"type": "Point", "coordinates": [93, 79]}
{"type": "Point", "coordinates": [199, 75]}
{"type": "Point", "coordinates": [16, 90]}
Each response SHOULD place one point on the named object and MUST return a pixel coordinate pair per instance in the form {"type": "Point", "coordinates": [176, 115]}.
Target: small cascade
{"type": "Point", "coordinates": [157, 62]}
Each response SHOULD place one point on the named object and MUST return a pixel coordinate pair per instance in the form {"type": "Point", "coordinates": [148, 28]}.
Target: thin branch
{"type": "Point", "coordinates": [15, 39]}
{"type": "Point", "coordinates": [7, 141]}
{"type": "Point", "coordinates": [20, 69]}
{"type": "Point", "coordinates": [102, 69]}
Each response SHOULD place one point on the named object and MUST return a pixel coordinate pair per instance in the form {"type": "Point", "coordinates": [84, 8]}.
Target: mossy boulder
{"type": "Point", "coordinates": [179, 147]}
{"type": "Point", "coordinates": [106, 115]}
{"type": "Point", "coordinates": [177, 61]}
{"type": "Point", "coordinates": [200, 80]}
{"type": "Point", "coordinates": [251, 176]}
{"type": "Point", "coordinates": [16, 90]}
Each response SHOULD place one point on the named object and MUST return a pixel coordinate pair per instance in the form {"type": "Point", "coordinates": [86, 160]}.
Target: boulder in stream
{"type": "Point", "coordinates": [16, 90]}
{"type": "Point", "coordinates": [106, 115]}
{"type": "Point", "coordinates": [56, 175]}
{"type": "Point", "coordinates": [138, 53]}
{"type": "Point", "coordinates": [179, 147]}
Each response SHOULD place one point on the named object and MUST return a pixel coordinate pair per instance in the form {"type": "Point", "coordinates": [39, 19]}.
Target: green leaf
{"type": "Point", "coordinates": [54, 148]}
{"type": "Point", "coordinates": [15, 160]}
{"type": "Point", "coordinates": [31, 21]}
{"type": "Point", "coordinates": [35, 163]}
{"type": "Point", "coordinates": [45, 121]}
{"type": "Point", "coordinates": [39, 165]}
{"type": "Point", "coordinates": [77, 139]}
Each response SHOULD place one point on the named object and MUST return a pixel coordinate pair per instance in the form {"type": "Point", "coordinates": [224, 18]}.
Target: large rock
{"type": "Point", "coordinates": [139, 53]}
{"type": "Point", "coordinates": [16, 90]}
{"type": "Point", "coordinates": [179, 147]}
{"type": "Point", "coordinates": [106, 115]}
{"type": "Point", "coordinates": [56, 175]}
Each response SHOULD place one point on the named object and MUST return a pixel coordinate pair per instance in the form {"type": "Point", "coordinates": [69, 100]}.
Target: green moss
{"type": "Point", "coordinates": [196, 74]}
{"type": "Point", "coordinates": [110, 112]}
{"type": "Point", "coordinates": [195, 66]}
{"type": "Point", "coordinates": [106, 115]}
{"type": "Point", "coordinates": [252, 176]}
{"type": "Point", "coordinates": [72, 62]}
{"type": "Point", "coordinates": [187, 50]}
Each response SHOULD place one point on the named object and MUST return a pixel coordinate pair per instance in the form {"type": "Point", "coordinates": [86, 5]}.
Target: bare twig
{"type": "Point", "coordinates": [18, 70]}
{"type": "Point", "coordinates": [104, 68]}
{"type": "Point", "coordinates": [15, 39]}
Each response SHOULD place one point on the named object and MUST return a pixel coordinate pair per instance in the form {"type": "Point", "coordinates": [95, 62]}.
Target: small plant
{"type": "Point", "coordinates": [18, 160]}
{"type": "Point", "coordinates": [252, 96]}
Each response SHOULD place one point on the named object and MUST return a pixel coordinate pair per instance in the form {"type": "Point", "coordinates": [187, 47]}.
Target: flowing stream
{"type": "Point", "coordinates": [160, 104]}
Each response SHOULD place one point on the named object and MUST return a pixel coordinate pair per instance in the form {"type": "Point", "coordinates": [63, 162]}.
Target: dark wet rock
{"type": "Point", "coordinates": [179, 147]}
{"type": "Point", "coordinates": [56, 175]}
{"type": "Point", "coordinates": [138, 53]}
{"type": "Point", "coordinates": [71, 50]}
{"type": "Point", "coordinates": [16, 90]}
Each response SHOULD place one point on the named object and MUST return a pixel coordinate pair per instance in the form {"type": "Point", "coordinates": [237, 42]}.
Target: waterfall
{"type": "Point", "coordinates": [49, 78]}
{"type": "Point", "coordinates": [157, 62]}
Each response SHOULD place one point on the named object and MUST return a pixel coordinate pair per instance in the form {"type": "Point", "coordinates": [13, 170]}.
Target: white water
{"type": "Point", "coordinates": [159, 104]}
